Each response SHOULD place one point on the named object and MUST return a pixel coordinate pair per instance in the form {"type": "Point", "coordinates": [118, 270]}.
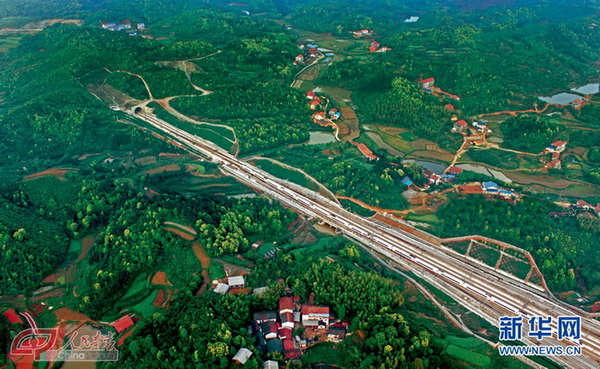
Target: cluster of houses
{"type": "Point", "coordinates": [121, 26]}
{"type": "Point", "coordinates": [580, 206]}
{"type": "Point", "coordinates": [492, 188]}
{"type": "Point", "coordinates": [448, 176]}
{"type": "Point", "coordinates": [555, 149]}
{"type": "Point", "coordinates": [462, 125]}
{"type": "Point", "coordinates": [362, 33]}
{"type": "Point", "coordinates": [314, 100]}
{"type": "Point", "coordinates": [377, 48]}
{"type": "Point", "coordinates": [274, 330]}
{"type": "Point", "coordinates": [310, 51]}
{"type": "Point", "coordinates": [234, 284]}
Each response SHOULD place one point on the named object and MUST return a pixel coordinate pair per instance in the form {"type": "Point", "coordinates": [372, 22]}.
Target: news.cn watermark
{"type": "Point", "coordinates": [44, 345]}
{"type": "Point", "coordinates": [567, 329]}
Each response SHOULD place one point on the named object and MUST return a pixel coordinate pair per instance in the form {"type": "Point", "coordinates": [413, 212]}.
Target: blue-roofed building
{"type": "Point", "coordinates": [505, 193]}
{"type": "Point", "coordinates": [490, 186]}
{"type": "Point", "coordinates": [312, 46]}
{"type": "Point", "coordinates": [427, 90]}
{"type": "Point", "coordinates": [481, 126]}
{"type": "Point", "coordinates": [407, 181]}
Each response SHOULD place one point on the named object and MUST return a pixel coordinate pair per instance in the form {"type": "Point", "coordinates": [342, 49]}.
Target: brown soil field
{"type": "Point", "coordinates": [545, 180]}
{"type": "Point", "coordinates": [232, 269]}
{"type": "Point", "coordinates": [347, 112]}
{"type": "Point", "coordinates": [86, 243]}
{"type": "Point", "coordinates": [145, 160]}
{"type": "Point", "coordinates": [164, 168]}
{"type": "Point", "coordinates": [55, 172]}
{"type": "Point", "coordinates": [201, 255]}
{"type": "Point", "coordinates": [180, 233]}
{"type": "Point", "coordinates": [438, 155]}
{"type": "Point", "coordinates": [160, 299]}
{"type": "Point", "coordinates": [343, 129]}
{"type": "Point", "coordinates": [67, 314]}
{"type": "Point", "coordinates": [160, 278]}
{"type": "Point", "coordinates": [53, 278]}
{"type": "Point", "coordinates": [392, 130]}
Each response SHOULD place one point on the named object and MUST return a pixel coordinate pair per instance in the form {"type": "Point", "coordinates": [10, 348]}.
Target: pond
{"type": "Point", "coordinates": [318, 138]}
{"type": "Point", "coordinates": [434, 167]}
{"type": "Point", "coordinates": [589, 89]}
{"type": "Point", "coordinates": [562, 98]}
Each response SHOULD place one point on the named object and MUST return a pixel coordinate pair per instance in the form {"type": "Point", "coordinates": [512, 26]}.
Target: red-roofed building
{"type": "Point", "coordinates": [310, 95]}
{"type": "Point", "coordinates": [313, 51]}
{"type": "Point", "coordinates": [288, 345]}
{"type": "Point", "coordinates": [583, 205]}
{"type": "Point", "coordinates": [459, 126]}
{"type": "Point", "coordinates": [577, 103]}
{"type": "Point", "coordinates": [449, 107]}
{"type": "Point", "coordinates": [427, 83]}
{"type": "Point", "coordinates": [286, 305]}
{"type": "Point", "coordinates": [300, 58]}
{"type": "Point", "coordinates": [374, 46]}
{"type": "Point", "coordinates": [455, 170]}
{"type": "Point", "coordinates": [12, 316]}
{"type": "Point", "coordinates": [315, 316]}
{"type": "Point", "coordinates": [559, 145]}
{"type": "Point", "coordinates": [314, 103]}
{"type": "Point", "coordinates": [365, 150]}
{"type": "Point", "coordinates": [285, 333]}
{"type": "Point", "coordinates": [123, 323]}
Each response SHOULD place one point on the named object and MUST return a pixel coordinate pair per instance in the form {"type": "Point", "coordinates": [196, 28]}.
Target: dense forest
{"type": "Point", "coordinates": [377, 183]}
{"type": "Point", "coordinates": [530, 133]}
{"type": "Point", "coordinates": [565, 249]}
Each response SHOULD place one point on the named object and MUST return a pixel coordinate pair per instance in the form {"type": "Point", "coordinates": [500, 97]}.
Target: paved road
{"type": "Point", "coordinates": [474, 285]}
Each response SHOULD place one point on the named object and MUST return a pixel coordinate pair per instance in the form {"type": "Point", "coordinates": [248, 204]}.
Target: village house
{"type": "Point", "coordinates": [299, 58]}
{"type": "Point", "coordinates": [141, 26]}
{"type": "Point", "coordinates": [270, 364]}
{"type": "Point", "coordinates": [265, 316]}
{"type": "Point", "coordinates": [112, 26]}
{"type": "Point", "coordinates": [490, 187]}
{"type": "Point", "coordinates": [557, 146]}
{"type": "Point", "coordinates": [480, 126]}
{"type": "Point", "coordinates": [336, 333]}
{"type": "Point", "coordinates": [577, 103]}
{"type": "Point", "coordinates": [384, 49]}
{"type": "Point", "coordinates": [314, 102]}
{"type": "Point", "coordinates": [222, 288]}
{"type": "Point", "coordinates": [374, 46]}
{"type": "Point", "coordinates": [583, 205]}
{"type": "Point", "coordinates": [315, 316]}
{"type": "Point", "coordinates": [406, 181]}
{"type": "Point", "coordinates": [236, 281]}
{"type": "Point", "coordinates": [427, 83]}
{"type": "Point", "coordinates": [449, 107]}
{"type": "Point", "coordinates": [242, 356]}
{"type": "Point", "coordinates": [367, 153]}
{"type": "Point", "coordinates": [310, 95]}
{"type": "Point", "coordinates": [459, 126]}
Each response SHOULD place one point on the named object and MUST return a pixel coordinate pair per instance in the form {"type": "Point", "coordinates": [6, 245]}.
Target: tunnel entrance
{"type": "Point", "coordinates": [137, 110]}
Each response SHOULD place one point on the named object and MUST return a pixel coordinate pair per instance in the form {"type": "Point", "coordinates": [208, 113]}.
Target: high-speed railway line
{"type": "Point", "coordinates": [483, 291]}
